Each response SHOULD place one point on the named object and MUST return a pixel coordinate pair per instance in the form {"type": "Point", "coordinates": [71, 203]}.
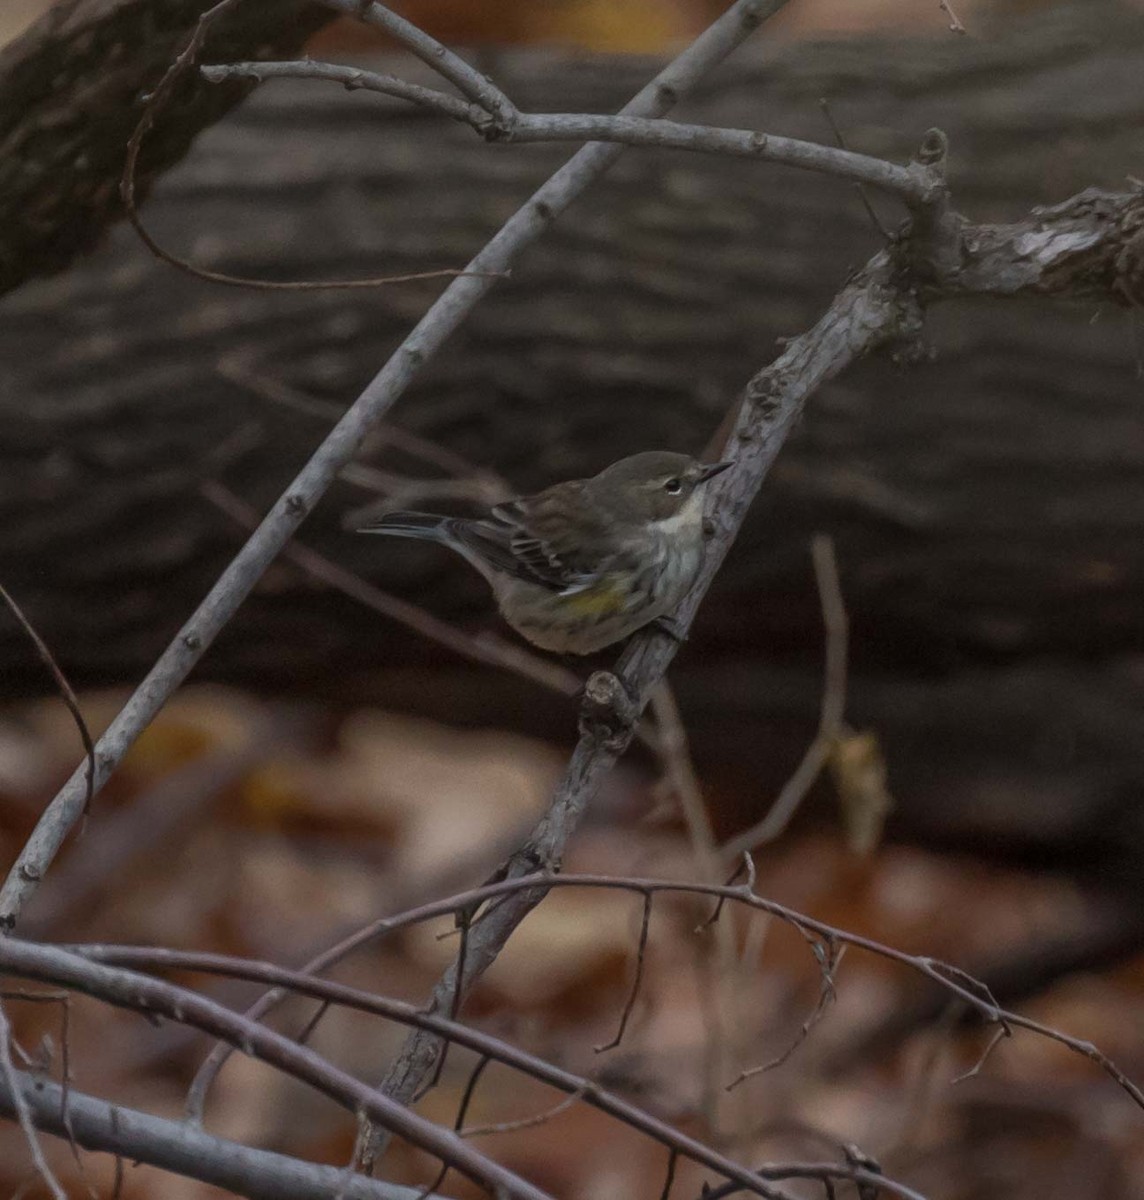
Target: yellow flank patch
{"type": "Point", "coordinates": [601, 600]}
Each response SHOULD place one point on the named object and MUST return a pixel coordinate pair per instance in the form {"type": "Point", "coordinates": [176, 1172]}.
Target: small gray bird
{"type": "Point", "coordinates": [584, 563]}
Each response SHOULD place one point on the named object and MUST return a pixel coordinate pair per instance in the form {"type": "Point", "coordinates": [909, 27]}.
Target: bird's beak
{"type": "Point", "coordinates": [713, 469]}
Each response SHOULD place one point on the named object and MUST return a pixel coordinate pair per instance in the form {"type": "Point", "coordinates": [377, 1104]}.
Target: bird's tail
{"type": "Point", "coordinates": [428, 527]}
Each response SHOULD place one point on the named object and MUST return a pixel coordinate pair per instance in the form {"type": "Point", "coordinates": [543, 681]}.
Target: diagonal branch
{"type": "Point", "coordinates": [181, 1148]}
{"type": "Point", "coordinates": [867, 312]}
{"type": "Point", "coordinates": [468, 81]}
{"type": "Point", "coordinates": [140, 993]}
{"type": "Point", "coordinates": [489, 1047]}
{"type": "Point", "coordinates": [911, 185]}
{"type": "Point", "coordinates": [340, 445]}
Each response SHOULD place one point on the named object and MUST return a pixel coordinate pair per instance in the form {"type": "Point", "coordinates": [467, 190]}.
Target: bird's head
{"type": "Point", "coordinates": [656, 485]}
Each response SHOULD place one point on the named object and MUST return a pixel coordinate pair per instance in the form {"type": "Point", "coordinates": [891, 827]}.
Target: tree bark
{"type": "Point", "coordinates": [986, 506]}
{"type": "Point", "coordinates": [70, 91]}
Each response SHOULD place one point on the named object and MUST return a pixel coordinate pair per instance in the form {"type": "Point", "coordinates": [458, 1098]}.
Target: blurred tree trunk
{"type": "Point", "coordinates": [69, 99]}
{"type": "Point", "coordinates": [986, 506]}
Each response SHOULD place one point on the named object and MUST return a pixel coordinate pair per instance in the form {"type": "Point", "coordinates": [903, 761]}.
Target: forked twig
{"type": "Point", "coordinates": [63, 999]}
{"type": "Point", "coordinates": [828, 952]}
{"type": "Point", "coordinates": [152, 106]}
{"type": "Point", "coordinates": [443, 317]}
{"type": "Point", "coordinates": [1002, 1031]}
{"type": "Point", "coordinates": [954, 980]}
{"type": "Point", "coordinates": [23, 1111]}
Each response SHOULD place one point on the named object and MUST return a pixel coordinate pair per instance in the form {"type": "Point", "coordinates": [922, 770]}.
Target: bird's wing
{"type": "Point", "coordinates": [547, 536]}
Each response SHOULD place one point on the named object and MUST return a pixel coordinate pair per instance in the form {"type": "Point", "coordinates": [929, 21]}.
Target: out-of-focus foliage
{"type": "Point", "coordinates": [268, 831]}
{"type": "Point", "coordinates": [631, 27]}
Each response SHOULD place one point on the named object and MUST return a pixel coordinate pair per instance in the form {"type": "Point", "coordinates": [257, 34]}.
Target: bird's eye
{"type": "Point", "coordinates": [673, 487]}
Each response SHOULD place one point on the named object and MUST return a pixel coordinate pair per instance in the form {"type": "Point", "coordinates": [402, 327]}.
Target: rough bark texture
{"type": "Point", "coordinates": [986, 506]}
{"type": "Point", "coordinates": [69, 99]}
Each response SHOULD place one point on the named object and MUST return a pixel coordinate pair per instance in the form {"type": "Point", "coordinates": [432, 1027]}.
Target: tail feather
{"type": "Point", "coordinates": [427, 526]}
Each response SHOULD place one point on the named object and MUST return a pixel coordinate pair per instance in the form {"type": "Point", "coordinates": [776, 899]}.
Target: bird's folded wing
{"type": "Point", "coordinates": [549, 537]}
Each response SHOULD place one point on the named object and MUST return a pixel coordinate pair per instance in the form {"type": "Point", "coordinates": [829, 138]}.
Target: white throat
{"type": "Point", "coordinates": [689, 518]}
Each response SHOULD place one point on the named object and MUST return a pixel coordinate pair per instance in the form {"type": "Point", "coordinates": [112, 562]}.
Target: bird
{"type": "Point", "coordinates": [586, 562]}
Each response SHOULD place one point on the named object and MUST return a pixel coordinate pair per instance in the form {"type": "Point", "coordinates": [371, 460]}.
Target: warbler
{"type": "Point", "coordinates": [586, 562]}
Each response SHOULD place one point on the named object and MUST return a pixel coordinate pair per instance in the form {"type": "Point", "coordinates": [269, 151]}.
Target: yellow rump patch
{"type": "Point", "coordinates": [601, 600]}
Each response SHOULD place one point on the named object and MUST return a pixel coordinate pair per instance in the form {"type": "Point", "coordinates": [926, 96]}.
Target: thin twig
{"type": "Point", "coordinates": [117, 1179]}
{"type": "Point", "coordinates": [669, 1175]}
{"type": "Point", "coordinates": [630, 1003]}
{"type": "Point", "coordinates": [153, 105]}
{"type": "Point", "coordinates": [717, 911]}
{"type": "Point", "coordinates": [830, 721]}
{"type": "Point", "coordinates": [952, 979]}
{"type": "Point", "coordinates": [138, 1137]}
{"type": "Point", "coordinates": [828, 954]}
{"type": "Point", "coordinates": [716, 971]}
{"type": "Point", "coordinates": [351, 78]}
{"type": "Point", "coordinates": [482, 1043]}
{"type": "Point", "coordinates": [154, 998]}
{"type": "Point", "coordinates": [1002, 1031]}
{"type": "Point", "coordinates": [67, 695]}
{"type": "Point", "coordinates": [524, 1122]}
{"type": "Point", "coordinates": [23, 1111]}
{"type": "Point", "coordinates": [444, 316]}
{"type": "Point", "coordinates": [955, 25]}
{"type": "Point", "coordinates": [871, 212]}
{"type": "Point", "coordinates": [488, 648]}
{"type": "Point", "coordinates": [307, 1031]}
{"type": "Point", "coordinates": [63, 999]}
{"type": "Point", "coordinates": [623, 129]}
{"type": "Point", "coordinates": [458, 1123]}
{"type": "Point", "coordinates": [468, 80]}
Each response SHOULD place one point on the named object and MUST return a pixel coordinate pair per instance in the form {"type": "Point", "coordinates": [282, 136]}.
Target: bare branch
{"type": "Point", "coordinates": [488, 648]}
{"type": "Point", "coordinates": [608, 714]}
{"type": "Point", "coordinates": [952, 979]}
{"type": "Point", "coordinates": [155, 102]}
{"type": "Point", "coordinates": [337, 450]}
{"type": "Point", "coordinates": [452, 67]}
{"type": "Point", "coordinates": [489, 1047]}
{"type": "Point", "coordinates": [63, 999]}
{"type": "Point", "coordinates": [22, 1110]}
{"type": "Point", "coordinates": [181, 1148]}
{"type": "Point", "coordinates": [1002, 1031]}
{"type": "Point", "coordinates": [910, 186]}
{"type": "Point", "coordinates": [1079, 249]}
{"type": "Point", "coordinates": [840, 139]}
{"type": "Point", "coordinates": [351, 78]}
{"type": "Point", "coordinates": [152, 997]}
{"type": "Point", "coordinates": [828, 956]}
{"type": "Point", "coordinates": [669, 1175]}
